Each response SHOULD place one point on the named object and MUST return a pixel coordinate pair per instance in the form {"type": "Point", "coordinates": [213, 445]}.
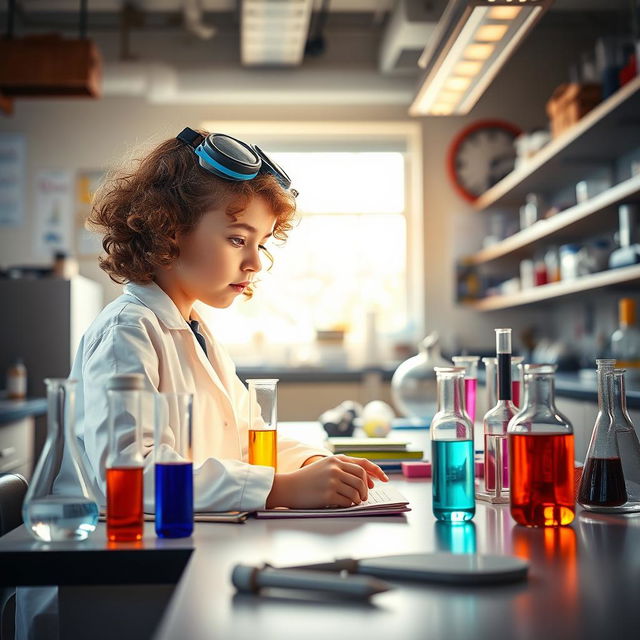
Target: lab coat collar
{"type": "Point", "coordinates": [152, 296]}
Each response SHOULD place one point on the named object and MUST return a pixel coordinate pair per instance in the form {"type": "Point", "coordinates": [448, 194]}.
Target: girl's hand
{"type": "Point", "coordinates": [333, 481]}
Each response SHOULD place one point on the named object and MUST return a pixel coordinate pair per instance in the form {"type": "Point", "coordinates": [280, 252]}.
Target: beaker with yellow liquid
{"type": "Point", "coordinates": [263, 422]}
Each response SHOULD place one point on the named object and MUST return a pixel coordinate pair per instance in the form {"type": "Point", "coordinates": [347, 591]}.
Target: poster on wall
{"type": "Point", "coordinates": [88, 243]}
{"type": "Point", "coordinates": [12, 179]}
{"type": "Point", "coordinates": [54, 212]}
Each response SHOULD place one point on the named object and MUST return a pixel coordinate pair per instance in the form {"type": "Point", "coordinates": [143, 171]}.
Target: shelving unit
{"type": "Point", "coordinates": [605, 133]}
{"type": "Point", "coordinates": [589, 218]}
{"type": "Point", "coordinates": [623, 276]}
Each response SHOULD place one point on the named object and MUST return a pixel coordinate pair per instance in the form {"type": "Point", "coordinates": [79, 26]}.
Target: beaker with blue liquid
{"type": "Point", "coordinates": [452, 459]}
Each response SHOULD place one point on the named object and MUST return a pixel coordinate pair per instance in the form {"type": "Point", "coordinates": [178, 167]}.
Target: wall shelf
{"type": "Point", "coordinates": [580, 221]}
{"type": "Point", "coordinates": [623, 276]}
{"type": "Point", "coordinates": [603, 135]}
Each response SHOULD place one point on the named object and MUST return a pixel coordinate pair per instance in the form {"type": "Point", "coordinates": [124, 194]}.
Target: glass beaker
{"type": "Point", "coordinates": [125, 462]}
{"type": "Point", "coordinates": [413, 385]}
{"type": "Point", "coordinates": [173, 458]}
{"type": "Point", "coordinates": [470, 364]}
{"type": "Point", "coordinates": [603, 486]}
{"type": "Point", "coordinates": [496, 422]}
{"type": "Point", "coordinates": [541, 455]}
{"type": "Point", "coordinates": [263, 422]}
{"type": "Point", "coordinates": [452, 460]}
{"type": "Point", "coordinates": [73, 513]}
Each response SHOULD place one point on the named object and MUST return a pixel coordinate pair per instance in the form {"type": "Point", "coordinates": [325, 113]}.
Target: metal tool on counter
{"type": "Point", "coordinates": [248, 579]}
{"type": "Point", "coordinates": [447, 568]}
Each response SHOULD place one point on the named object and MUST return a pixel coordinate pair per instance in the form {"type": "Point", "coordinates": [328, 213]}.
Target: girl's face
{"type": "Point", "coordinates": [221, 256]}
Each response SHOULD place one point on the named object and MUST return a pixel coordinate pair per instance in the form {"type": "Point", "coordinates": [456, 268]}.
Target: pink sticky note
{"type": "Point", "coordinates": [416, 469]}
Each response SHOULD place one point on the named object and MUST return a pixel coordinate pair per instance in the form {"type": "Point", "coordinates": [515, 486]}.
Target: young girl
{"type": "Point", "coordinates": [189, 224]}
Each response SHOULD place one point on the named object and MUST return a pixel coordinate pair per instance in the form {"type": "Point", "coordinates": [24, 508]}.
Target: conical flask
{"type": "Point", "coordinates": [609, 480]}
{"type": "Point", "coordinates": [70, 513]}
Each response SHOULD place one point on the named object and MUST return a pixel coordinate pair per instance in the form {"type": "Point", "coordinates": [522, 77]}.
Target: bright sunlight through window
{"type": "Point", "coordinates": [346, 257]}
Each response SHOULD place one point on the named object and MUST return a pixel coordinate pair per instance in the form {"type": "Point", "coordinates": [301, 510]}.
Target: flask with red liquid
{"type": "Point", "coordinates": [125, 463]}
{"type": "Point", "coordinates": [541, 476]}
{"type": "Point", "coordinates": [611, 476]}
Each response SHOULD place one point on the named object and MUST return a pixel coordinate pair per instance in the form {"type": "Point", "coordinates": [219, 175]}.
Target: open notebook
{"type": "Point", "coordinates": [382, 500]}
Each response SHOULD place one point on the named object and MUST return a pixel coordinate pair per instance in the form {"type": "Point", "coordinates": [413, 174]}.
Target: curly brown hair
{"type": "Point", "coordinates": [141, 210]}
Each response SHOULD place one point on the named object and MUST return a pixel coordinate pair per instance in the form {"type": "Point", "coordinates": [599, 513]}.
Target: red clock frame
{"type": "Point", "coordinates": [459, 139]}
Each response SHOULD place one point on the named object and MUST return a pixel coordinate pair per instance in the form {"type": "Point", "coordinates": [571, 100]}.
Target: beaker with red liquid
{"type": "Point", "coordinates": [125, 462]}
{"type": "Point", "coordinates": [541, 465]}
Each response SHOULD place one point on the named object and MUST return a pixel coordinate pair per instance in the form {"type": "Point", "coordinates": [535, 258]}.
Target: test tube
{"type": "Point", "coordinates": [490, 365]}
{"type": "Point", "coordinates": [124, 464]}
{"type": "Point", "coordinates": [263, 422]}
{"type": "Point", "coordinates": [470, 364]}
{"type": "Point", "coordinates": [173, 457]}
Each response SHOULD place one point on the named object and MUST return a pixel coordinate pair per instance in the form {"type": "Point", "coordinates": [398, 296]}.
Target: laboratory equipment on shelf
{"type": "Point", "coordinates": [413, 385]}
{"type": "Point", "coordinates": [611, 476]}
{"type": "Point", "coordinates": [263, 422]}
{"type": "Point", "coordinates": [124, 464]}
{"type": "Point", "coordinates": [173, 461]}
{"type": "Point", "coordinates": [541, 466]}
{"type": "Point", "coordinates": [60, 508]}
{"type": "Point", "coordinates": [629, 251]}
{"type": "Point", "coordinates": [625, 340]}
{"type": "Point", "coordinates": [496, 421]}
{"type": "Point", "coordinates": [470, 364]}
{"type": "Point", "coordinates": [452, 450]}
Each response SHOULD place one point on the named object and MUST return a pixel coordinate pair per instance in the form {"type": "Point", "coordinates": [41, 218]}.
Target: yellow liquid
{"type": "Point", "coordinates": [263, 447]}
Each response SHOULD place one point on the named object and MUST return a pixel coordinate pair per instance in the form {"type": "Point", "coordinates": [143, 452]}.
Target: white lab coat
{"type": "Point", "coordinates": [142, 331]}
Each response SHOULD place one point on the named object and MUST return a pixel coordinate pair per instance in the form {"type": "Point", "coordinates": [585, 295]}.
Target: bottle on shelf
{"type": "Point", "coordinates": [629, 251]}
{"type": "Point", "coordinates": [541, 464]}
{"type": "Point", "coordinates": [496, 421]}
{"type": "Point", "coordinates": [17, 380]}
{"type": "Point", "coordinates": [625, 340]}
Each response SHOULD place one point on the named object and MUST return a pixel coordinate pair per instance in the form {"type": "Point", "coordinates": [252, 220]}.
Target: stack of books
{"type": "Point", "coordinates": [386, 453]}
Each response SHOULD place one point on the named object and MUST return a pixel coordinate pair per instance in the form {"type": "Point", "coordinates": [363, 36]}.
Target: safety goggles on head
{"type": "Point", "coordinates": [232, 159]}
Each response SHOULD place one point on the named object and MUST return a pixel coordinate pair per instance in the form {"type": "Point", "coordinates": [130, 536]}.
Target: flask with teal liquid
{"type": "Point", "coordinates": [452, 450]}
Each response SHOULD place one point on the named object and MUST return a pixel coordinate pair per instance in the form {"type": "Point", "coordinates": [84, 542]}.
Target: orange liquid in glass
{"type": "Point", "coordinates": [125, 515]}
{"type": "Point", "coordinates": [263, 447]}
{"type": "Point", "coordinates": [542, 479]}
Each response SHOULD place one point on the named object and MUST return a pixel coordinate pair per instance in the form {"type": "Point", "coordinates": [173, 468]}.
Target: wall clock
{"type": "Point", "coordinates": [481, 155]}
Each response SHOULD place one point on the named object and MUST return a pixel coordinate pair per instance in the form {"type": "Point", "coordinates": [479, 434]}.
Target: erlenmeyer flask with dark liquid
{"type": "Point", "coordinates": [604, 486]}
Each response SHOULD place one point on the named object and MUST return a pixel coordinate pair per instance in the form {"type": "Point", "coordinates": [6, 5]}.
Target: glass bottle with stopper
{"type": "Point", "coordinates": [495, 488]}
{"type": "Point", "coordinates": [452, 450]}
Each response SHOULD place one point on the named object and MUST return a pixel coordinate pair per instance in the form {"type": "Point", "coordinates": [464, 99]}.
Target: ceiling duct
{"type": "Point", "coordinates": [410, 27]}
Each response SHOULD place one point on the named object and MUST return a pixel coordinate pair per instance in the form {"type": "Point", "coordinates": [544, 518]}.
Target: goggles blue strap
{"type": "Point", "coordinates": [200, 151]}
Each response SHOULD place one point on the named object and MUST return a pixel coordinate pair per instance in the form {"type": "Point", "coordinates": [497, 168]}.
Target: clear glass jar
{"type": "Point", "coordinates": [452, 459]}
{"type": "Point", "coordinates": [413, 385]}
{"type": "Point", "coordinates": [541, 465]}
{"type": "Point", "coordinates": [52, 510]}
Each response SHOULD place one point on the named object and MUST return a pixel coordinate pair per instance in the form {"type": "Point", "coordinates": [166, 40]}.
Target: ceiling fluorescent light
{"type": "Point", "coordinates": [473, 40]}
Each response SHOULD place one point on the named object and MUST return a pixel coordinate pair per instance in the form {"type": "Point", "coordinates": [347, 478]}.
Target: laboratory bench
{"type": "Point", "coordinates": [583, 579]}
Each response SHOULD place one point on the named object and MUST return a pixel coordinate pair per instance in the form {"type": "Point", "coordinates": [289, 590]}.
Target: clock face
{"type": "Point", "coordinates": [481, 155]}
